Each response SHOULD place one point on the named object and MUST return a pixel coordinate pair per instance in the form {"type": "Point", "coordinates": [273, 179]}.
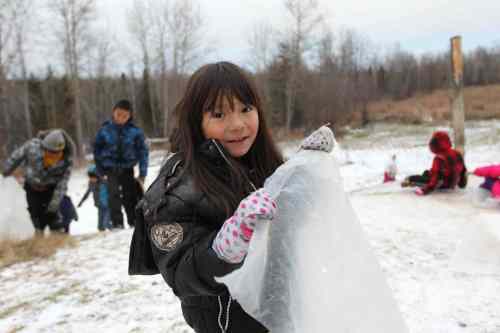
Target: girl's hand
{"type": "Point", "coordinates": [232, 241]}
{"type": "Point", "coordinates": [321, 139]}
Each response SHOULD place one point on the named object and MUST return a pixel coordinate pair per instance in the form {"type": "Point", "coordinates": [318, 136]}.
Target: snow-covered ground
{"type": "Point", "coordinates": [440, 253]}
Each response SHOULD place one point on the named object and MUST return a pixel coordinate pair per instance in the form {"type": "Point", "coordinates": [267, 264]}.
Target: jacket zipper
{"type": "Point", "coordinates": [221, 152]}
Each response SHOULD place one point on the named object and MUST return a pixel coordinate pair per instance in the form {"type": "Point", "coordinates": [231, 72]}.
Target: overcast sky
{"type": "Point", "coordinates": [419, 26]}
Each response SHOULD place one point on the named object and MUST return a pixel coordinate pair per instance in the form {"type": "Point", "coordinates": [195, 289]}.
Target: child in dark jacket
{"type": "Point", "coordinates": [448, 168]}
{"type": "Point", "coordinates": [67, 212]}
{"type": "Point", "coordinates": [99, 189]}
{"type": "Point", "coordinates": [196, 220]}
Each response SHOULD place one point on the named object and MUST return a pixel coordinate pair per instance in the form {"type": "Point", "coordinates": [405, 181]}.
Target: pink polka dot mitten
{"type": "Point", "coordinates": [232, 240]}
{"type": "Point", "coordinates": [321, 139]}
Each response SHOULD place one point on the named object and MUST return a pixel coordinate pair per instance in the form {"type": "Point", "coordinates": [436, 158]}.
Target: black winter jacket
{"type": "Point", "coordinates": [173, 236]}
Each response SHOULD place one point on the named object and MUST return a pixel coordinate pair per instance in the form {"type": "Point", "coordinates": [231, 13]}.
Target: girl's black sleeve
{"type": "Point", "coordinates": [182, 251]}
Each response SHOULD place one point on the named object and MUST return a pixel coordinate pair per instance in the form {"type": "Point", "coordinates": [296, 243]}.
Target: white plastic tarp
{"type": "Point", "coordinates": [15, 222]}
{"type": "Point", "coordinates": [311, 269]}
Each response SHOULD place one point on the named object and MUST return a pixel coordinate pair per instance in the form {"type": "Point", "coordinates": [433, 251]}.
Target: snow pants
{"type": "Point", "coordinates": [38, 201]}
{"type": "Point", "coordinates": [122, 192]}
{"type": "Point", "coordinates": [104, 218]}
{"type": "Point", "coordinates": [420, 180]}
{"type": "Point", "coordinates": [423, 179]}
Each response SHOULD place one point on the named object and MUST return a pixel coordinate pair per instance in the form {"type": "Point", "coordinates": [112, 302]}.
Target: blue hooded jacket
{"type": "Point", "coordinates": [120, 146]}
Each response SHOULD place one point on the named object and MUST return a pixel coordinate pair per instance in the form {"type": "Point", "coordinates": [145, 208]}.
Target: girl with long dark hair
{"type": "Point", "coordinates": [196, 220]}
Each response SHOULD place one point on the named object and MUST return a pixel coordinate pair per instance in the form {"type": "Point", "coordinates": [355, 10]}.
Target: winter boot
{"type": "Point", "coordinates": [407, 183]}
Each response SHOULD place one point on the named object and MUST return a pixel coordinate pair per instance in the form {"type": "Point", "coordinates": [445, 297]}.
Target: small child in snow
{"type": "Point", "coordinates": [99, 189]}
{"type": "Point", "coordinates": [491, 174]}
{"type": "Point", "coordinates": [391, 169]}
{"type": "Point", "coordinates": [448, 168]}
{"type": "Point", "coordinates": [67, 212]}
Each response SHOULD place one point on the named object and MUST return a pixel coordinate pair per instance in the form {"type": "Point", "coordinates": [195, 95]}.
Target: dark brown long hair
{"type": "Point", "coordinates": [225, 187]}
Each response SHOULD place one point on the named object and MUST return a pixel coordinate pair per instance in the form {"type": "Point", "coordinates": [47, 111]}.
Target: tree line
{"type": "Point", "coordinates": [307, 73]}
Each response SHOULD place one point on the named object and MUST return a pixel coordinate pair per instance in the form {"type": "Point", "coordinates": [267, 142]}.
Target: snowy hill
{"type": "Point", "coordinates": [440, 253]}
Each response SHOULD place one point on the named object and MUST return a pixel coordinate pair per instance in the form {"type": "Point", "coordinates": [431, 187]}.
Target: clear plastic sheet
{"type": "Point", "coordinates": [311, 269]}
{"type": "Point", "coordinates": [15, 222]}
{"type": "Point", "coordinates": [482, 198]}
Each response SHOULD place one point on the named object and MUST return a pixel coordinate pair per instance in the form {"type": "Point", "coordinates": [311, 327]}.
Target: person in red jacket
{"type": "Point", "coordinates": [448, 168]}
{"type": "Point", "coordinates": [491, 175]}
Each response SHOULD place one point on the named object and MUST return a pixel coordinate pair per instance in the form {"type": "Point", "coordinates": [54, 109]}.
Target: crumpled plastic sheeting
{"type": "Point", "coordinates": [15, 222]}
{"type": "Point", "coordinates": [482, 198]}
{"type": "Point", "coordinates": [311, 269]}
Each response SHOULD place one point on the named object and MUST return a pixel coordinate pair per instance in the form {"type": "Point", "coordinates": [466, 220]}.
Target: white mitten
{"type": "Point", "coordinates": [321, 139]}
{"type": "Point", "coordinates": [232, 241]}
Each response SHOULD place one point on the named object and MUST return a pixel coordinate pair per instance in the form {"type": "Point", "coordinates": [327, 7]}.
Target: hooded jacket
{"type": "Point", "coordinates": [30, 157]}
{"type": "Point", "coordinates": [448, 167]}
{"type": "Point", "coordinates": [491, 174]}
{"type": "Point", "coordinates": [100, 193]}
{"type": "Point", "coordinates": [120, 146]}
{"type": "Point", "coordinates": [175, 228]}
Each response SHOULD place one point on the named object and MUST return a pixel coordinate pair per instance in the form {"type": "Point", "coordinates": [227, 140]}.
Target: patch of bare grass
{"type": "Point", "coordinates": [60, 293]}
{"type": "Point", "coordinates": [14, 251]}
{"type": "Point", "coordinates": [86, 237]}
{"type": "Point", "coordinates": [280, 134]}
{"type": "Point", "coordinates": [480, 103]}
{"type": "Point", "coordinates": [10, 310]}
{"type": "Point", "coordinates": [16, 329]}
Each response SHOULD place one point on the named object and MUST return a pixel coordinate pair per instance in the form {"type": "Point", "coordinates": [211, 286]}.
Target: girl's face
{"type": "Point", "coordinates": [234, 125]}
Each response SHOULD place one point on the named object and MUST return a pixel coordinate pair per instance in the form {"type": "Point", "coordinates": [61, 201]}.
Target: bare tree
{"type": "Point", "coordinates": [187, 42]}
{"type": "Point", "coordinates": [403, 69]}
{"type": "Point", "coordinates": [104, 54]}
{"type": "Point", "coordinates": [325, 98]}
{"type": "Point", "coordinates": [261, 46]}
{"type": "Point", "coordinates": [7, 30]}
{"type": "Point", "coordinates": [186, 34]}
{"type": "Point", "coordinates": [101, 86]}
{"type": "Point", "coordinates": [326, 53]}
{"type": "Point", "coordinates": [24, 12]}
{"type": "Point", "coordinates": [140, 26]}
{"type": "Point", "coordinates": [305, 19]}
{"type": "Point", "coordinates": [7, 57]}
{"type": "Point", "coordinates": [161, 33]}
{"type": "Point", "coordinates": [139, 19]}
{"type": "Point", "coordinates": [73, 22]}
{"type": "Point", "coordinates": [357, 86]}
{"type": "Point", "coordinates": [131, 87]}
{"type": "Point", "coordinates": [169, 36]}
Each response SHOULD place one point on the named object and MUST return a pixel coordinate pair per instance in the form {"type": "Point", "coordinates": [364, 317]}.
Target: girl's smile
{"type": "Point", "coordinates": [238, 141]}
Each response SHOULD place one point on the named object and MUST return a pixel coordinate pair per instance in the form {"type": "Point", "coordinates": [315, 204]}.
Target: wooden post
{"type": "Point", "coordinates": [457, 94]}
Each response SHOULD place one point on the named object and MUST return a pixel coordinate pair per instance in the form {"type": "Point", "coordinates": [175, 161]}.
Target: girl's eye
{"type": "Point", "coordinates": [217, 114]}
{"type": "Point", "coordinates": [248, 108]}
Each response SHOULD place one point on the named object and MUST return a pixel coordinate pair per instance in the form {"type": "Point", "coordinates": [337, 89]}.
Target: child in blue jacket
{"type": "Point", "coordinates": [99, 189]}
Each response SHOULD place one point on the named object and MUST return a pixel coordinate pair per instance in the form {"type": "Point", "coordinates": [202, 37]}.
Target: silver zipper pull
{"type": "Point", "coordinates": [221, 152]}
